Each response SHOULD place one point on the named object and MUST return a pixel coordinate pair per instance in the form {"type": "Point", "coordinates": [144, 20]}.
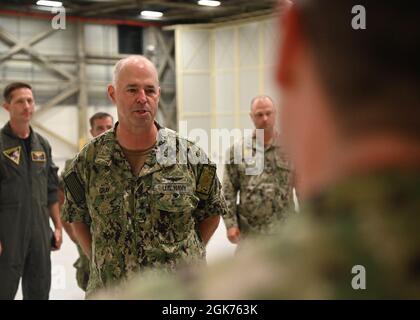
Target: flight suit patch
{"type": "Point", "coordinates": [13, 154]}
{"type": "Point", "coordinates": [38, 156]}
{"type": "Point", "coordinates": [205, 181]}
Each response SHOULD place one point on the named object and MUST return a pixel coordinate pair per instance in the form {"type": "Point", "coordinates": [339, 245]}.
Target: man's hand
{"type": "Point", "coordinates": [58, 239]}
{"type": "Point", "coordinates": [234, 235]}
{"type": "Point", "coordinates": [207, 228]}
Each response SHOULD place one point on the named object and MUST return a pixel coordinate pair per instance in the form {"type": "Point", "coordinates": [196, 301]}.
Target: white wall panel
{"type": "Point", "coordinates": [224, 48]}
{"type": "Point", "coordinates": [225, 92]}
{"type": "Point", "coordinates": [249, 84]}
{"type": "Point", "coordinates": [240, 67]}
{"type": "Point", "coordinates": [245, 121]}
{"type": "Point", "coordinates": [195, 50]}
{"type": "Point", "coordinates": [270, 38]}
{"type": "Point", "coordinates": [270, 84]}
{"type": "Point", "coordinates": [249, 44]}
{"type": "Point", "coordinates": [196, 93]}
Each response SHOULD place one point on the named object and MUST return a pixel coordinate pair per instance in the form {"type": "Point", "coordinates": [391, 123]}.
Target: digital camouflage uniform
{"type": "Point", "coordinates": [265, 197]}
{"type": "Point", "coordinates": [82, 263]}
{"type": "Point", "coordinates": [371, 221]}
{"type": "Point", "coordinates": [146, 221]}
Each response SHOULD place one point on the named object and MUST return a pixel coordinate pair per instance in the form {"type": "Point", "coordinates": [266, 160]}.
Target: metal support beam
{"type": "Point", "coordinates": [39, 58]}
{"type": "Point", "coordinates": [83, 95]}
{"type": "Point", "coordinates": [51, 133]}
{"type": "Point", "coordinates": [166, 62]}
{"type": "Point", "coordinates": [21, 45]}
{"type": "Point", "coordinates": [57, 99]}
{"type": "Point", "coordinates": [167, 49]}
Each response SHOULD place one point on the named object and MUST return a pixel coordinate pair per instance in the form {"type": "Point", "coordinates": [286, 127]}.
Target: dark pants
{"type": "Point", "coordinates": [35, 272]}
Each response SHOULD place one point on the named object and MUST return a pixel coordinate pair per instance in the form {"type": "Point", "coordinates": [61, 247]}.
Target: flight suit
{"type": "Point", "coordinates": [28, 185]}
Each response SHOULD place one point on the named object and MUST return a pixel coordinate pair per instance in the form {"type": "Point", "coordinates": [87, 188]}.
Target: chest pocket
{"type": "Point", "coordinates": [105, 200]}
{"type": "Point", "coordinates": [174, 201]}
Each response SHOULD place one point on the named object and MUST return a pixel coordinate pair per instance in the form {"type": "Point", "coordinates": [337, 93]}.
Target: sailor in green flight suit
{"type": "Point", "coordinates": [28, 197]}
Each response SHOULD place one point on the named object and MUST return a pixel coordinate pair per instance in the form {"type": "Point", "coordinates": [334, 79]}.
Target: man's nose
{"type": "Point", "coordinates": [141, 97]}
{"type": "Point", "coordinates": [27, 104]}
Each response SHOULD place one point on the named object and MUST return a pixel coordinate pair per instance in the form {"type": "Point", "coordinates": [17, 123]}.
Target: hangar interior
{"type": "Point", "coordinates": [211, 62]}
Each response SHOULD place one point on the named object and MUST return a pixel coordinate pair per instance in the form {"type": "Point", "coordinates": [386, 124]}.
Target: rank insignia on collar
{"type": "Point", "coordinates": [38, 156]}
{"type": "Point", "coordinates": [13, 154]}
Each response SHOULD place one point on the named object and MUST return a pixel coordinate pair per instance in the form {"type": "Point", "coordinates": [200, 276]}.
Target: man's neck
{"type": "Point", "coordinates": [363, 156]}
{"type": "Point", "coordinates": [138, 139]}
{"type": "Point", "coordinates": [22, 130]}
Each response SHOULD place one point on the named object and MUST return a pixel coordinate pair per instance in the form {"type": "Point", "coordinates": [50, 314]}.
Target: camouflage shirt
{"type": "Point", "coordinates": [141, 221]}
{"type": "Point", "coordinates": [368, 223]}
{"type": "Point", "coordinates": [82, 262]}
{"type": "Point", "coordinates": [265, 197]}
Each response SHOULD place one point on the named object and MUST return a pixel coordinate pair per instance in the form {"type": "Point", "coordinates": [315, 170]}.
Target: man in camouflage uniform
{"type": "Point", "coordinates": [149, 197]}
{"type": "Point", "coordinates": [99, 123]}
{"type": "Point", "coordinates": [266, 195]}
{"type": "Point", "coordinates": [350, 119]}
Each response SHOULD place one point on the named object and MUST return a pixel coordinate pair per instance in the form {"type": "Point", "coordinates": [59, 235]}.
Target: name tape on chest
{"type": "Point", "coordinates": [173, 187]}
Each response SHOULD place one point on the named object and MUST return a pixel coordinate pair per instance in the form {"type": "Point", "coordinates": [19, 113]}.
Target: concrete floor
{"type": "Point", "coordinates": [63, 280]}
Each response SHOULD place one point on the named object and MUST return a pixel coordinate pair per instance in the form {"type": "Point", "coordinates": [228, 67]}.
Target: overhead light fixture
{"type": "Point", "coordinates": [49, 3]}
{"type": "Point", "coordinates": [209, 3]}
{"type": "Point", "coordinates": [151, 14]}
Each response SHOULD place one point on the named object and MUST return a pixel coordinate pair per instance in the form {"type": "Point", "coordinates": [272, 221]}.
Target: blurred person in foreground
{"type": "Point", "coordinates": [350, 119]}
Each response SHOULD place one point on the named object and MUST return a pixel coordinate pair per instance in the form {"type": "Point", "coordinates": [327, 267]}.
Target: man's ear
{"type": "Point", "coordinates": [289, 44]}
{"type": "Point", "coordinates": [111, 92]}
{"type": "Point", "coordinates": [6, 106]}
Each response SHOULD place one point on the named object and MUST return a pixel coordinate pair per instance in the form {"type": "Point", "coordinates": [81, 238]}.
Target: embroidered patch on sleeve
{"type": "Point", "coordinates": [205, 181]}
{"type": "Point", "coordinates": [75, 187]}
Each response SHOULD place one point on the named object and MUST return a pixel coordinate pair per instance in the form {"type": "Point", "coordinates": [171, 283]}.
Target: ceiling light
{"type": "Point", "coordinates": [49, 3]}
{"type": "Point", "coordinates": [209, 3]}
{"type": "Point", "coordinates": [151, 14]}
